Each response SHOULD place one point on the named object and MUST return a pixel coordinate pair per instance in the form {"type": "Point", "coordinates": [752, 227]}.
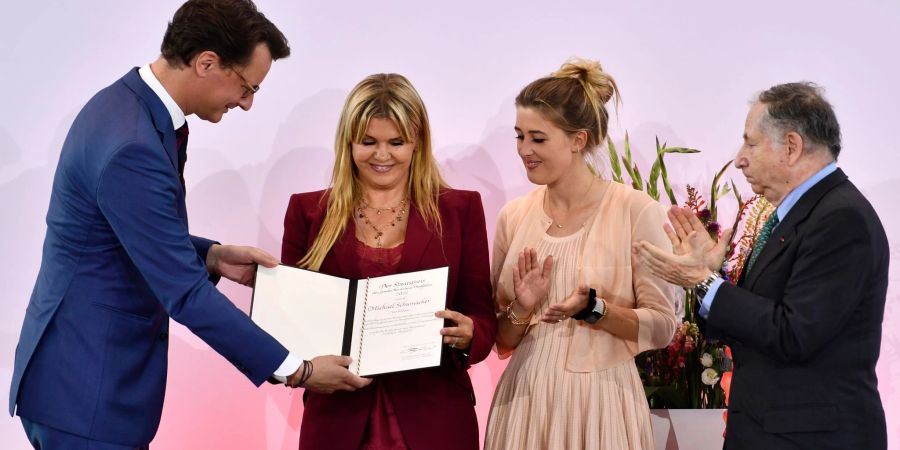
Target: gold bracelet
{"type": "Point", "coordinates": [514, 319]}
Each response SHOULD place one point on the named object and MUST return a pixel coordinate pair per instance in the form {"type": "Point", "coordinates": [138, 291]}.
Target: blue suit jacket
{"type": "Point", "coordinates": [117, 263]}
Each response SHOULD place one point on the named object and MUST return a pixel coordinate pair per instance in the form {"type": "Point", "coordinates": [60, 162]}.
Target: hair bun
{"type": "Point", "coordinates": [590, 73]}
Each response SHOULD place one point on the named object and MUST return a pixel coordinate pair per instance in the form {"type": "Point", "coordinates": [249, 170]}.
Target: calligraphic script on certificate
{"type": "Point", "coordinates": [386, 324]}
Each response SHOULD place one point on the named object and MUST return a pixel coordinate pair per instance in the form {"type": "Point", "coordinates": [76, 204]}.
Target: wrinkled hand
{"type": "Point", "coordinates": [237, 263]}
{"type": "Point", "coordinates": [682, 270]}
{"type": "Point", "coordinates": [459, 336]}
{"type": "Point", "coordinates": [695, 257]}
{"type": "Point", "coordinates": [330, 374]}
{"type": "Point", "coordinates": [531, 283]}
{"type": "Point", "coordinates": [689, 236]}
{"type": "Point", "coordinates": [573, 304]}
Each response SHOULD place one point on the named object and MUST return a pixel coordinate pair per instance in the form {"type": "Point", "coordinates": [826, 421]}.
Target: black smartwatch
{"type": "Point", "coordinates": [594, 311]}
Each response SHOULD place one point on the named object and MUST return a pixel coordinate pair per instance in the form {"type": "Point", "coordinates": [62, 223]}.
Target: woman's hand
{"type": "Point", "coordinates": [459, 336]}
{"type": "Point", "coordinates": [573, 304]}
{"type": "Point", "coordinates": [531, 283]}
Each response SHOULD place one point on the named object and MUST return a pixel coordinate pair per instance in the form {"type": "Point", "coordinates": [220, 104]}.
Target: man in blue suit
{"type": "Point", "coordinates": [804, 319]}
{"type": "Point", "coordinates": [118, 261]}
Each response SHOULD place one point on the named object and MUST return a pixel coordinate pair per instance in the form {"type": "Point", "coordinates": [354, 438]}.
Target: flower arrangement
{"type": "Point", "coordinates": [692, 372]}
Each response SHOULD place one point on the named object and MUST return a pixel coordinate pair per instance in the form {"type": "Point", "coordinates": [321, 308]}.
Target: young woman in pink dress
{"type": "Point", "coordinates": [562, 250]}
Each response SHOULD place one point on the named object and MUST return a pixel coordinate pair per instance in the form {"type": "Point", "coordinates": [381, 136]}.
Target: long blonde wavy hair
{"type": "Point", "coordinates": [383, 96]}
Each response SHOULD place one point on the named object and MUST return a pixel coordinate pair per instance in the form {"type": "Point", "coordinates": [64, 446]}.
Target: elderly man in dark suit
{"type": "Point", "coordinates": [118, 261]}
{"type": "Point", "coordinates": [804, 320]}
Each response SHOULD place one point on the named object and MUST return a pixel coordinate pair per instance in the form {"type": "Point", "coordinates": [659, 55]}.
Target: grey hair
{"type": "Point", "coordinates": [801, 108]}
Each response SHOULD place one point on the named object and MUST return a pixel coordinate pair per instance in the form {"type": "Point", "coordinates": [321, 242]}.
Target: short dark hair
{"type": "Point", "coordinates": [802, 108]}
{"type": "Point", "coordinates": [230, 28]}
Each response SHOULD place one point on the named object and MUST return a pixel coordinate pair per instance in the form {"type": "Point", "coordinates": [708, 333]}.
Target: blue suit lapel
{"type": "Point", "coordinates": [158, 113]}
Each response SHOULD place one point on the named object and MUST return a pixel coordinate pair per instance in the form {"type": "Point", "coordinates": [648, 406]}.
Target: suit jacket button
{"type": "Point", "coordinates": [164, 336]}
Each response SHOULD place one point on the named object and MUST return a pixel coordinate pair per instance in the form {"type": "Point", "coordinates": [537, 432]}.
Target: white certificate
{"type": "Point", "coordinates": [386, 324]}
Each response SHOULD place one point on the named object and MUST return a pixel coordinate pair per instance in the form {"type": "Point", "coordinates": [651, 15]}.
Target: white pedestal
{"type": "Point", "coordinates": [688, 429]}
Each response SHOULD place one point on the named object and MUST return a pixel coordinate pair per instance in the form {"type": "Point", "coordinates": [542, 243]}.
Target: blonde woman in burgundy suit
{"type": "Point", "coordinates": [389, 211]}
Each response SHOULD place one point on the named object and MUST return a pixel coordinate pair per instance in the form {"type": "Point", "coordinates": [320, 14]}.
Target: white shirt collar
{"type": "Point", "coordinates": [177, 114]}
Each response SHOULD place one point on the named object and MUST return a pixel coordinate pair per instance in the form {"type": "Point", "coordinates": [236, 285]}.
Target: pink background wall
{"type": "Point", "coordinates": [686, 70]}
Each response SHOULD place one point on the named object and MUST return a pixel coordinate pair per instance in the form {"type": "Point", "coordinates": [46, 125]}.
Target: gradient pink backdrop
{"type": "Point", "coordinates": [686, 71]}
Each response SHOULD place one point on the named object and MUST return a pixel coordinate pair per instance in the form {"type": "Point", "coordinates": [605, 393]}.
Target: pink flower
{"type": "Point", "coordinates": [688, 344]}
{"type": "Point", "coordinates": [675, 346]}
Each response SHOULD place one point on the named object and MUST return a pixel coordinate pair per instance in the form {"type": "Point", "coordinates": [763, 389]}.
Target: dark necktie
{"type": "Point", "coordinates": [181, 139]}
{"type": "Point", "coordinates": [763, 237]}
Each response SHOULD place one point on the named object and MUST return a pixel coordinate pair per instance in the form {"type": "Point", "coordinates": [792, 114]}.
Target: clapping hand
{"type": "Point", "coordinates": [531, 282]}
{"type": "Point", "coordinates": [573, 304]}
{"type": "Point", "coordinates": [689, 236]}
{"type": "Point", "coordinates": [696, 253]}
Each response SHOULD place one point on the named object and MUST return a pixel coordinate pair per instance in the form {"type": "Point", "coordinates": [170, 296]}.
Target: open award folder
{"type": "Point", "coordinates": [386, 324]}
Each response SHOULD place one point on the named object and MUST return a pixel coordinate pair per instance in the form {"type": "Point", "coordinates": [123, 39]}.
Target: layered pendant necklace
{"type": "Point", "coordinates": [398, 210]}
{"type": "Point", "coordinates": [586, 200]}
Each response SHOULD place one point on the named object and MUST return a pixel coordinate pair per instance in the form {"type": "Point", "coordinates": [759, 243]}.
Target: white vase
{"type": "Point", "coordinates": [688, 429]}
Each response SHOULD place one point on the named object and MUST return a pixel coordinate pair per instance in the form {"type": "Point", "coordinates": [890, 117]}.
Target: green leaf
{"type": "Point", "coordinates": [653, 181]}
{"type": "Point", "coordinates": [627, 158]}
{"type": "Point", "coordinates": [737, 194]}
{"type": "Point", "coordinates": [664, 174]}
{"type": "Point", "coordinates": [680, 150]}
{"type": "Point", "coordinates": [614, 161]}
{"type": "Point", "coordinates": [636, 180]}
{"type": "Point", "coordinates": [725, 190]}
{"type": "Point", "coordinates": [630, 167]}
{"type": "Point", "coordinates": [649, 390]}
{"type": "Point", "coordinates": [714, 191]}
{"type": "Point", "coordinates": [671, 397]}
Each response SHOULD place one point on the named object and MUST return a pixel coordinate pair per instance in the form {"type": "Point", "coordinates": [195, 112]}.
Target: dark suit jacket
{"type": "Point", "coordinates": [805, 328]}
{"type": "Point", "coordinates": [434, 407]}
{"type": "Point", "coordinates": [117, 263]}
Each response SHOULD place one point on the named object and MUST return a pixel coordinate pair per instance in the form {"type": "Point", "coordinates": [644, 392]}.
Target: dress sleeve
{"type": "Point", "coordinates": [501, 247]}
{"type": "Point", "coordinates": [654, 298]}
{"type": "Point", "coordinates": [498, 259]}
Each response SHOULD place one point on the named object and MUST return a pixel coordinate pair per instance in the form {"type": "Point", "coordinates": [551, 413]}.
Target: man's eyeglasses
{"type": "Point", "coordinates": [249, 89]}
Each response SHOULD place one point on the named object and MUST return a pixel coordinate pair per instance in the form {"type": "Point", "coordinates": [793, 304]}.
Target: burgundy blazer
{"type": "Point", "coordinates": [434, 407]}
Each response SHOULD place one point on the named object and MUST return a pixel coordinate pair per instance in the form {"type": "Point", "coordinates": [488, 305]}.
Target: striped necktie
{"type": "Point", "coordinates": [763, 237]}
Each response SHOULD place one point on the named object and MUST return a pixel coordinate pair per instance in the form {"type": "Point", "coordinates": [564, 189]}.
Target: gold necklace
{"type": "Point", "coordinates": [398, 209]}
{"type": "Point", "coordinates": [583, 203]}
